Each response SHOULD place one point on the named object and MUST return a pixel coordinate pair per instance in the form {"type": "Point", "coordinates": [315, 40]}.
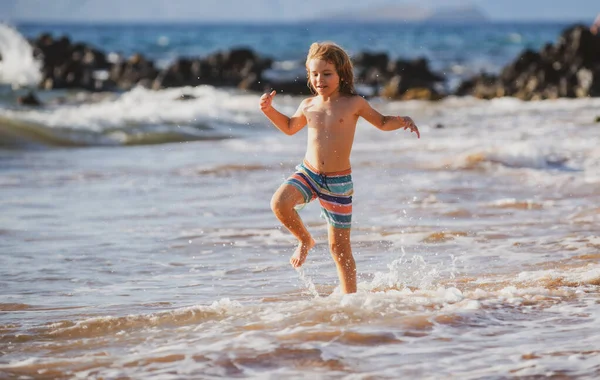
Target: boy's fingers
{"type": "Point", "coordinates": [273, 93]}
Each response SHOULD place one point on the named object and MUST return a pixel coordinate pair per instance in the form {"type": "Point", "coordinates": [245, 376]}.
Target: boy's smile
{"type": "Point", "coordinates": [323, 77]}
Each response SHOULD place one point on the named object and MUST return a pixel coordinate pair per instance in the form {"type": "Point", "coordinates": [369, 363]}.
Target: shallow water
{"type": "Point", "coordinates": [477, 247]}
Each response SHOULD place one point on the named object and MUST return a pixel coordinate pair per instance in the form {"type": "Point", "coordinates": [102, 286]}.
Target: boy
{"type": "Point", "coordinates": [331, 116]}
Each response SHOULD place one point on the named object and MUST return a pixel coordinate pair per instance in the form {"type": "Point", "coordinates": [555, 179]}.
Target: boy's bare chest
{"type": "Point", "coordinates": [330, 117]}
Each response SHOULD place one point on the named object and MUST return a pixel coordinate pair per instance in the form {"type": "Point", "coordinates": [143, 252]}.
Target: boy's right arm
{"type": "Point", "coordinates": [287, 125]}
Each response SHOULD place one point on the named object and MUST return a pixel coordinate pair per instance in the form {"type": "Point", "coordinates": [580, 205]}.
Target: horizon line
{"type": "Point", "coordinates": [286, 22]}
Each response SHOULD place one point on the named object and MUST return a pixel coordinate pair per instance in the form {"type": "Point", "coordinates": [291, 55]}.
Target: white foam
{"type": "Point", "coordinates": [143, 106]}
{"type": "Point", "coordinates": [519, 155]}
{"type": "Point", "coordinates": [17, 66]}
{"type": "Point", "coordinates": [163, 41]}
{"type": "Point", "coordinates": [515, 38]}
{"type": "Point", "coordinates": [585, 275]}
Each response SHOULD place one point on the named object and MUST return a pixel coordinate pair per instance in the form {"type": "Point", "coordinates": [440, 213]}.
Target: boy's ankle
{"type": "Point", "coordinates": [307, 241]}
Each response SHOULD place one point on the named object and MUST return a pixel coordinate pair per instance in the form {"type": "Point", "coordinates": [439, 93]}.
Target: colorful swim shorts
{"type": "Point", "coordinates": [334, 191]}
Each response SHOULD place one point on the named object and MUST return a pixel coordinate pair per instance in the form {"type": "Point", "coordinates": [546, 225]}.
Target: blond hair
{"type": "Point", "coordinates": [334, 54]}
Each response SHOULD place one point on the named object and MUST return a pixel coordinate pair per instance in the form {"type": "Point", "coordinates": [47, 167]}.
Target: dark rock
{"type": "Point", "coordinates": [577, 43]}
{"type": "Point", "coordinates": [184, 97]}
{"type": "Point", "coordinates": [394, 79]}
{"type": "Point", "coordinates": [569, 68]}
{"type": "Point", "coordinates": [484, 86]}
{"type": "Point", "coordinates": [377, 61]}
{"type": "Point", "coordinates": [238, 58]}
{"type": "Point", "coordinates": [298, 87]}
{"type": "Point", "coordinates": [179, 74]}
{"type": "Point", "coordinates": [418, 68]}
{"type": "Point", "coordinates": [597, 119]}
{"type": "Point", "coordinates": [414, 75]}
{"type": "Point", "coordinates": [67, 65]}
{"type": "Point", "coordinates": [129, 73]}
{"type": "Point", "coordinates": [29, 100]}
{"type": "Point", "coordinates": [238, 67]}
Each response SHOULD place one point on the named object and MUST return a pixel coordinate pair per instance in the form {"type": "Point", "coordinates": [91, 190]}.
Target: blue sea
{"type": "Point", "coordinates": [137, 241]}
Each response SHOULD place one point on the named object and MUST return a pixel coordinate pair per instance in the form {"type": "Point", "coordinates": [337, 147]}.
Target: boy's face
{"type": "Point", "coordinates": [323, 76]}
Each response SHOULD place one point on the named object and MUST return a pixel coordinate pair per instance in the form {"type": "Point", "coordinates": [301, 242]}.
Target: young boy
{"type": "Point", "coordinates": [331, 116]}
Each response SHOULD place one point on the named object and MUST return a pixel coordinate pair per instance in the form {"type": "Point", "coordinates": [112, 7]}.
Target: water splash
{"type": "Point", "coordinates": [405, 272]}
{"type": "Point", "coordinates": [308, 282]}
{"type": "Point", "coordinates": [18, 67]}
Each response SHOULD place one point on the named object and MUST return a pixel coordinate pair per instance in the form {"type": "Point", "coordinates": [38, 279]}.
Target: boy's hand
{"type": "Point", "coordinates": [266, 100]}
{"type": "Point", "coordinates": [409, 124]}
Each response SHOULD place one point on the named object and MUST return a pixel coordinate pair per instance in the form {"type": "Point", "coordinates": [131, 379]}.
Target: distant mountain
{"type": "Point", "coordinates": [461, 13]}
{"type": "Point", "coordinates": [411, 13]}
{"type": "Point", "coordinates": [383, 13]}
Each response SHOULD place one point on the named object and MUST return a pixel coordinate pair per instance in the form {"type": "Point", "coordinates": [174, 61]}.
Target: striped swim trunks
{"type": "Point", "coordinates": [334, 191]}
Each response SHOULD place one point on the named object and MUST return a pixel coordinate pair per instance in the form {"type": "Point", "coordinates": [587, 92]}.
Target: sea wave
{"type": "Point", "coordinates": [386, 293]}
{"type": "Point", "coordinates": [136, 117]}
{"type": "Point", "coordinates": [18, 67]}
{"type": "Point", "coordinates": [512, 156]}
{"type": "Point", "coordinates": [16, 134]}
{"type": "Point", "coordinates": [298, 333]}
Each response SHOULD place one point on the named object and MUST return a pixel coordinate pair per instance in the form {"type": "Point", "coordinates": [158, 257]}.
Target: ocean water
{"type": "Point", "coordinates": [136, 239]}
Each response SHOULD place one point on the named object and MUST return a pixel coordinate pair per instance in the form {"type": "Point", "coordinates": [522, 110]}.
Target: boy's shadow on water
{"type": "Point", "coordinates": [560, 164]}
{"type": "Point", "coordinates": [553, 164]}
{"type": "Point", "coordinates": [563, 168]}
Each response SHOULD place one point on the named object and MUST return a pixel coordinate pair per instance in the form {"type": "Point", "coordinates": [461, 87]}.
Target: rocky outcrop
{"type": "Point", "coordinates": [68, 65]}
{"type": "Point", "coordinates": [570, 68]}
{"type": "Point", "coordinates": [399, 79]}
{"type": "Point", "coordinates": [137, 70]}
{"type": "Point", "coordinates": [238, 67]}
{"type": "Point", "coordinates": [77, 65]}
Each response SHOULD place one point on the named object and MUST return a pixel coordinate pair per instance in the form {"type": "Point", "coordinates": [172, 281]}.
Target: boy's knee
{"type": "Point", "coordinates": [279, 203]}
{"type": "Point", "coordinates": [275, 203]}
{"type": "Point", "coordinates": [341, 251]}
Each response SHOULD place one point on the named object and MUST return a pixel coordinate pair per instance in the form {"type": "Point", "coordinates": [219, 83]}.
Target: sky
{"type": "Point", "coordinates": [272, 10]}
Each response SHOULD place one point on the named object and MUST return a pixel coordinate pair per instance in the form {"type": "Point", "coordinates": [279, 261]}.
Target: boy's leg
{"type": "Point", "coordinates": [341, 251]}
{"type": "Point", "coordinates": [283, 202]}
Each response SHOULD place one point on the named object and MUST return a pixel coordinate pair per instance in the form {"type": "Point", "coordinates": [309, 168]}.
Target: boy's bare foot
{"type": "Point", "coordinates": [299, 256]}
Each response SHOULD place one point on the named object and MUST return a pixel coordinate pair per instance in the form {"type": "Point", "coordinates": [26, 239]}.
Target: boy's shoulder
{"type": "Point", "coordinates": [356, 100]}
{"type": "Point", "coordinates": [353, 98]}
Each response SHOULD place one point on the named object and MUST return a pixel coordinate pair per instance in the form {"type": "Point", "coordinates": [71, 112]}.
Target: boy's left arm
{"type": "Point", "coordinates": [385, 123]}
